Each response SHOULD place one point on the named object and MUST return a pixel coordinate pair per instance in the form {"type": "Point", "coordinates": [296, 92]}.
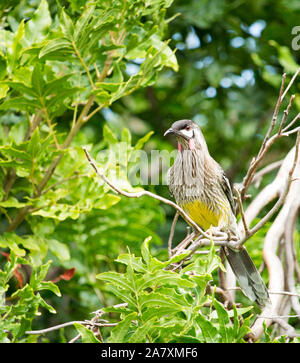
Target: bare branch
{"type": "Point", "coordinates": [268, 140]}
{"type": "Point", "coordinates": [172, 233]}
{"type": "Point", "coordinates": [241, 210]}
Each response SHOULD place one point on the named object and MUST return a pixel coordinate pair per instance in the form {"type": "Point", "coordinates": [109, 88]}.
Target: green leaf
{"type": "Point", "coordinates": [20, 87]}
{"type": "Point", "coordinates": [142, 141]}
{"type": "Point", "coordinates": [163, 277]}
{"type": "Point", "coordinates": [140, 335]}
{"type": "Point", "coordinates": [109, 136]}
{"type": "Point", "coordinates": [231, 313]}
{"type": "Point", "coordinates": [120, 331]}
{"type": "Point", "coordinates": [49, 285]}
{"type": "Point", "coordinates": [106, 201]}
{"type": "Point", "coordinates": [87, 335]}
{"type": "Point", "coordinates": [155, 299]}
{"type": "Point", "coordinates": [8, 240]}
{"type": "Point", "coordinates": [3, 90]}
{"type": "Point", "coordinates": [168, 57]}
{"type": "Point", "coordinates": [124, 297]}
{"type": "Point", "coordinates": [60, 250]}
{"type": "Point", "coordinates": [83, 21]}
{"type": "Point", "coordinates": [16, 47]}
{"type": "Point", "coordinates": [34, 145]}
{"type": "Point", "coordinates": [20, 103]}
{"type": "Point", "coordinates": [12, 202]}
{"type": "Point", "coordinates": [136, 262]}
{"type": "Point", "coordinates": [55, 46]}
{"type": "Point", "coordinates": [36, 28]}
{"type": "Point", "coordinates": [209, 331]}
{"type": "Point", "coordinates": [117, 279]}
{"type": "Point", "coordinates": [66, 25]}
{"type": "Point", "coordinates": [223, 319]}
{"type": "Point", "coordinates": [145, 250]}
{"type": "Point", "coordinates": [126, 136]}
{"type": "Point", "coordinates": [37, 80]}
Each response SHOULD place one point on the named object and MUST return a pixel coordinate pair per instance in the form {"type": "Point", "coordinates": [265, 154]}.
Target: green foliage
{"type": "Point", "coordinates": [57, 70]}
{"type": "Point", "coordinates": [166, 306]}
{"type": "Point", "coordinates": [103, 74]}
{"type": "Point", "coordinates": [23, 305]}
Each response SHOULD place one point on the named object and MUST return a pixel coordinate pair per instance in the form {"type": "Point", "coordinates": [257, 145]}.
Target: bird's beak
{"type": "Point", "coordinates": [170, 131]}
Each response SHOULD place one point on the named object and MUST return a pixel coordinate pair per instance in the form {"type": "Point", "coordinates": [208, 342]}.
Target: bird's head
{"type": "Point", "coordinates": [188, 134]}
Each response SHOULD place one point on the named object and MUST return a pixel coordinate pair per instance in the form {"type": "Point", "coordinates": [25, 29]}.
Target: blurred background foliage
{"type": "Point", "coordinates": [230, 55]}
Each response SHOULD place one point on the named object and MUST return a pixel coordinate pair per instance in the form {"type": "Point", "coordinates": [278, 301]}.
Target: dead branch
{"type": "Point", "coordinates": [283, 222]}
{"type": "Point", "coordinates": [172, 234]}
{"type": "Point", "coordinates": [269, 140]}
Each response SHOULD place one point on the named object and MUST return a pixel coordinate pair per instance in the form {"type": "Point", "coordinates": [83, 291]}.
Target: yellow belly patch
{"type": "Point", "coordinates": [201, 214]}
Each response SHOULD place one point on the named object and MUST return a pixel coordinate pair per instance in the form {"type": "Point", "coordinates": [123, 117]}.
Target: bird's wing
{"type": "Point", "coordinates": [170, 180]}
{"type": "Point", "coordinates": [228, 192]}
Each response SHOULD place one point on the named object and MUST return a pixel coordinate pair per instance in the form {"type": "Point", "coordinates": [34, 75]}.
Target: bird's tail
{"type": "Point", "coordinates": [247, 275]}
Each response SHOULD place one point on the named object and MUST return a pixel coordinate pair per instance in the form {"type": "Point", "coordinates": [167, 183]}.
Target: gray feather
{"type": "Point", "coordinates": [247, 275]}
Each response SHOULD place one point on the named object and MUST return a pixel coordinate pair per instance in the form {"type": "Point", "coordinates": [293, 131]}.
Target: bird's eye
{"type": "Point", "coordinates": [188, 128]}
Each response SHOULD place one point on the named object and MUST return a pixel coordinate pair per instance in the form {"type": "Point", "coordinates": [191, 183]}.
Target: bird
{"type": "Point", "coordinates": [201, 188]}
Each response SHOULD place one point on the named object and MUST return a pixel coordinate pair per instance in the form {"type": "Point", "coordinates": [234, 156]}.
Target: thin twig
{"type": "Point", "coordinates": [268, 140]}
{"type": "Point", "coordinates": [69, 323]}
{"type": "Point", "coordinates": [241, 210]}
{"type": "Point", "coordinates": [172, 233]}
{"type": "Point", "coordinates": [279, 202]}
{"type": "Point", "coordinates": [290, 84]}
{"type": "Point", "coordinates": [56, 327]}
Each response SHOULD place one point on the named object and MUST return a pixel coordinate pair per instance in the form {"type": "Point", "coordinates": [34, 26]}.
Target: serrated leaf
{"type": "Point", "coordinates": [8, 240]}
{"type": "Point", "coordinates": [127, 298]}
{"type": "Point", "coordinates": [119, 332]}
{"type": "Point", "coordinates": [106, 201]}
{"type": "Point", "coordinates": [140, 335]}
{"type": "Point", "coordinates": [20, 87]}
{"type": "Point", "coordinates": [56, 85]}
{"type": "Point", "coordinates": [38, 25]}
{"type": "Point", "coordinates": [136, 262]}
{"type": "Point", "coordinates": [83, 21]}
{"type": "Point", "coordinates": [16, 46]}
{"type": "Point", "coordinates": [66, 25]}
{"type": "Point", "coordinates": [46, 306]}
{"type": "Point", "coordinates": [223, 320]}
{"type": "Point", "coordinates": [87, 335]}
{"type": "Point", "coordinates": [141, 142]}
{"type": "Point", "coordinates": [145, 250]}
{"type": "Point", "coordinates": [163, 277]}
{"type": "Point", "coordinates": [12, 202]}
{"type": "Point", "coordinates": [56, 45]}
{"type": "Point", "coordinates": [37, 80]}
{"type": "Point", "coordinates": [155, 299]}
{"type": "Point", "coordinates": [20, 103]}
{"type": "Point", "coordinates": [109, 135]}
{"type": "Point", "coordinates": [231, 313]}
{"type": "Point", "coordinates": [115, 278]}
{"type": "Point", "coordinates": [48, 285]}
{"type": "Point", "coordinates": [60, 250]}
{"type": "Point", "coordinates": [126, 136]}
{"type": "Point", "coordinates": [209, 331]}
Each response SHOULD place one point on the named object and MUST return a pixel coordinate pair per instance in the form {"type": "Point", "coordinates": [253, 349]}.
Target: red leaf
{"type": "Point", "coordinates": [67, 275]}
{"type": "Point", "coordinates": [5, 254]}
{"type": "Point", "coordinates": [19, 277]}
{"type": "Point", "coordinates": [17, 272]}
